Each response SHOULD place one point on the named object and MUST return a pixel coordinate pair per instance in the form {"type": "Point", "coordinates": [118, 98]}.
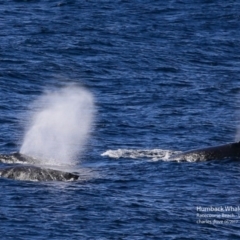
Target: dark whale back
{"type": "Point", "coordinates": [32, 172]}
{"type": "Point", "coordinates": [231, 150]}
{"type": "Point", "coordinates": [18, 158]}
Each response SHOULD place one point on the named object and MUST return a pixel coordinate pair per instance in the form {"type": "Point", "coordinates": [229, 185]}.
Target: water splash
{"type": "Point", "coordinates": [153, 154]}
{"type": "Point", "coordinates": [60, 127]}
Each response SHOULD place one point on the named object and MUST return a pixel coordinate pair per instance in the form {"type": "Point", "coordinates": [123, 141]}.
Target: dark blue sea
{"type": "Point", "coordinates": [165, 77]}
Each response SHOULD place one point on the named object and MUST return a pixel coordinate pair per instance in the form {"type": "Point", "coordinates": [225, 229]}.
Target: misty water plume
{"type": "Point", "coordinates": [60, 126]}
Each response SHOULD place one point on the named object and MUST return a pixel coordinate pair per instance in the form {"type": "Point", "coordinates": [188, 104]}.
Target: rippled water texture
{"type": "Point", "coordinates": [165, 78]}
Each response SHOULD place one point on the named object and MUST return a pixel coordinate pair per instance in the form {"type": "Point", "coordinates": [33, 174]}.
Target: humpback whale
{"type": "Point", "coordinates": [34, 173]}
{"type": "Point", "coordinates": [226, 151]}
{"type": "Point", "coordinates": [31, 172]}
{"type": "Point", "coordinates": [18, 158]}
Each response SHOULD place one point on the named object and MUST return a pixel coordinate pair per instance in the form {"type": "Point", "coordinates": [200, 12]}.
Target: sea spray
{"type": "Point", "coordinates": [60, 126]}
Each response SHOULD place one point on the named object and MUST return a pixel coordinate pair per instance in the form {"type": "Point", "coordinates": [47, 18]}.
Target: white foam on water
{"type": "Point", "coordinates": [60, 126]}
{"type": "Point", "coordinates": [153, 154]}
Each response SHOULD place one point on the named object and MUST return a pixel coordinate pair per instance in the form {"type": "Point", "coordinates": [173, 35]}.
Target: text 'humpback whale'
{"type": "Point", "coordinates": [31, 172]}
{"type": "Point", "coordinates": [226, 151]}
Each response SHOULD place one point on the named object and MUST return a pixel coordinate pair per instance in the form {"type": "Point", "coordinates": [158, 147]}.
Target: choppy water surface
{"type": "Point", "coordinates": [165, 78]}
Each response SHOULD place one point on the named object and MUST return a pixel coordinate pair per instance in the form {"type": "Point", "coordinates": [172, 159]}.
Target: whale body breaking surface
{"type": "Point", "coordinates": [31, 172]}
{"type": "Point", "coordinates": [23, 167]}
{"type": "Point", "coordinates": [34, 173]}
{"type": "Point", "coordinates": [226, 151]}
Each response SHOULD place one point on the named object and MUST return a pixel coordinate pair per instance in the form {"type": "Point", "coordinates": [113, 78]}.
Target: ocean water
{"type": "Point", "coordinates": [164, 76]}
